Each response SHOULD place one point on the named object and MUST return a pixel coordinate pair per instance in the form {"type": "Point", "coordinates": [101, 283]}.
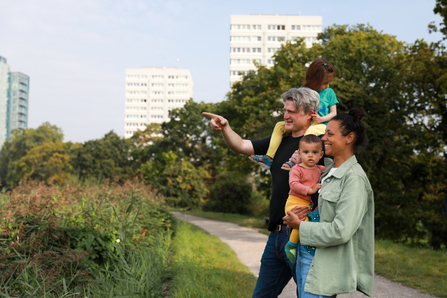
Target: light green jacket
{"type": "Point", "coordinates": [344, 237]}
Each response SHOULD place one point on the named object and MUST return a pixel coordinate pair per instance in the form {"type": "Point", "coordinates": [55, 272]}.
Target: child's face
{"type": "Point", "coordinates": [326, 82]}
{"type": "Point", "coordinates": [310, 153]}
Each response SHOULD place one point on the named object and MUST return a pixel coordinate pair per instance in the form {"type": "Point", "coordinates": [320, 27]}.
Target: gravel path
{"type": "Point", "coordinates": [249, 246]}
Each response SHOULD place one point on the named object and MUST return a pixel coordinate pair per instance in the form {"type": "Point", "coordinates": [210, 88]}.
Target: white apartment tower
{"type": "Point", "coordinates": [151, 92]}
{"type": "Point", "coordinates": [255, 38]}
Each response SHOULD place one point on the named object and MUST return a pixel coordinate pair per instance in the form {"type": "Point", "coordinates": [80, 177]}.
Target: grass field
{"type": "Point", "coordinates": [206, 267]}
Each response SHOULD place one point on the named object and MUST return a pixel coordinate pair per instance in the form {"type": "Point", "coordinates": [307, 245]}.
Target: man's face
{"type": "Point", "coordinates": [295, 120]}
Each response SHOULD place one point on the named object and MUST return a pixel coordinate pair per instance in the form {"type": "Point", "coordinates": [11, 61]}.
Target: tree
{"type": "Point", "coordinates": [401, 87]}
{"type": "Point", "coordinates": [106, 158]}
{"type": "Point", "coordinates": [30, 150]}
{"type": "Point", "coordinates": [178, 180]}
{"type": "Point", "coordinates": [441, 9]}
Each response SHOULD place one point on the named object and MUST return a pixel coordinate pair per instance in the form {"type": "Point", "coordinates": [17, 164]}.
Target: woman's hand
{"type": "Point", "coordinates": [294, 217]}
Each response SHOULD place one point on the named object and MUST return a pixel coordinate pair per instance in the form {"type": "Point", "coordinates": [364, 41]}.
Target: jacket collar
{"type": "Point", "coordinates": [345, 167]}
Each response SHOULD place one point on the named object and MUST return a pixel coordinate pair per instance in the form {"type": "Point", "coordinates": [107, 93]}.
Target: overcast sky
{"type": "Point", "coordinates": [76, 51]}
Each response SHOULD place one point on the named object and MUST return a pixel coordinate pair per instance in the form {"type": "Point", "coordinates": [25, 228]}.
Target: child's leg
{"type": "Point", "coordinates": [290, 248]}
{"type": "Point", "coordinates": [266, 160]}
{"type": "Point", "coordinates": [276, 139]}
{"type": "Point", "coordinates": [317, 129]}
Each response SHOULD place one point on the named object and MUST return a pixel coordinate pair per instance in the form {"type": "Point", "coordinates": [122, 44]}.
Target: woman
{"type": "Point", "coordinates": [341, 238]}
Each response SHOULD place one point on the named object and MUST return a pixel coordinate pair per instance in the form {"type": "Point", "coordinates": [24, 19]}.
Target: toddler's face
{"type": "Point", "coordinates": [310, 153]}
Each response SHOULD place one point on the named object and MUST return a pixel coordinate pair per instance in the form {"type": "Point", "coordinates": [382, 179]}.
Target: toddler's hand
{"type": "Point", "coordinates": [314, 189]}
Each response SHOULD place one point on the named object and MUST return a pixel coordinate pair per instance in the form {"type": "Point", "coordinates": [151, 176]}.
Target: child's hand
{"type": "Point", "coordinates": [314, 189]}
{"type": "Point", "coordinates": [316, 117]}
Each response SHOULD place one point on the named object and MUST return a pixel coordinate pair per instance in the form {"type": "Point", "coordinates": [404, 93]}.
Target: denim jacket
{"type": "Point", "coordinates": [344, 237]}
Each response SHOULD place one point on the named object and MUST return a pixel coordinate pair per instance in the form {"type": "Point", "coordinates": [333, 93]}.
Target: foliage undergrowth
{"type": "Point", "coordinates": [56, 241]}
{"type": "Point", "coordinates": [203, 266]}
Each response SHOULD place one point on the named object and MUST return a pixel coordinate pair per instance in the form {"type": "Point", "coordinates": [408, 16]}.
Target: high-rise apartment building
{"type": "Point", "coordinates": [255, 38]}
{"type": "Point", "coordinates": [4, 89]}
{"type": "Point", "coordinates": [151, 92]}
{"type": "Point", "coordinates": [18, 102]}
{"type": "Point", "coordinates": [14, 100]}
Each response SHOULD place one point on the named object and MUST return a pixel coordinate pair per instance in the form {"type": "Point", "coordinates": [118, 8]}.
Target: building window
{"type": "Point", "coordinates": [239, 27]}
{"type": "Point", "coordinates": [311, 28]}
{"type": "Point", "coordinates": [256, 27]}
{"type": "Point", "coordinates": [271, 61]}
{"type": "Point", "coordinates": [170, 85]}
{"type": "Point", "coordinates": [181, 85]}
{"type": "Point", "coordinates": [240, 61]}
{"type": "Point", "coordinates": [276, 38]}
{"type": "Point", "coordinates": [181, 77]}
{"type": "Point", "coordinates": [273, 50]}
{"type": "Point", "coordinates": [276, 27]}
{"type": "Point", "coordinates": [157, 84]}
{"type": "Point", "coordinates": [132, 77]}
{"type": "Point", "coordinates": [240, 38]}
{"type": "Point", "coordinates": [256, 50]}
{"type": "Point", "coordinates": [157, 100]}
{"type": "Point", "coordinates": [157, 92]}
{"type": "Point", "coordinates": [240, 50]}
{"type": "Point", "coordinates": [158, 77]}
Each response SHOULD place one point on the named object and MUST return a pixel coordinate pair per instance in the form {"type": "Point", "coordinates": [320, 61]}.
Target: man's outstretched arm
{"type": "Point", "coordinates": [231, 138]}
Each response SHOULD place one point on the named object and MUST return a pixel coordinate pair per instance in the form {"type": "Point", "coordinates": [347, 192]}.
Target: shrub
{"type": "Point", "coordinates": [55, 240]}
{"type": "Point", "coordinates": [230, 194]}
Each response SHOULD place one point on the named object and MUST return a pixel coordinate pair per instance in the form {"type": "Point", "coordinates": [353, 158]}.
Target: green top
{"type": "Point", "coordinates": [344, 237]}
{"type": "Point", "coordinates": [327, 100]}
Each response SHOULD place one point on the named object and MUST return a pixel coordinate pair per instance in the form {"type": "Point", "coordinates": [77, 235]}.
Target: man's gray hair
{"type": "Point", "coordinates": [304, 97]}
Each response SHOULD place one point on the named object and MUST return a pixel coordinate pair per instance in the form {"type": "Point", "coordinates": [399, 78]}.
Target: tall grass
{"type": "Point", "coordinates": [61, 241]}
{"type": "Point", "coordinates": [203, 266]}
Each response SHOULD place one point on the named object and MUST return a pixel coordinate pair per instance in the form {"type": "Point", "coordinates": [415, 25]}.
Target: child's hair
{"type": "Point", "coordinates": [311, 139]}
{"type": "Point", "coordinates": [352, 123]}
{"type": "Point", "coordinates": [317, 73]}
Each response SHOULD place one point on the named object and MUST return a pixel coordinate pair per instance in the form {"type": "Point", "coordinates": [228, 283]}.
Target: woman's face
{"type": "Point", "coordinates": [334, 142]}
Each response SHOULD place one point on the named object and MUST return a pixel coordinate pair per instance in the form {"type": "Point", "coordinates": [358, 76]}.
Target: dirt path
{"type": "Point", "coordinates": [249, 246]}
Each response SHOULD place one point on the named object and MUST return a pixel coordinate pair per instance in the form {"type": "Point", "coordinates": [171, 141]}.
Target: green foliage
{"type": "Point", "coordinates": [106, 158]}
{"type": "Point", "coordinates": [230, 193]}
{"type": "Point", "coordinates": [55, 240]}
{"type": "Point", "coordinates": [402, 89]}
{"type": "Point", "coordinates": [178, 180]}
{"type": "Point", "coordinates": [34, 154]}
{"type": "Point", "coordinates": [441, 9]}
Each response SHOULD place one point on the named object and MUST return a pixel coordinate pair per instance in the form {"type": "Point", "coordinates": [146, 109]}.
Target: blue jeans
{"type": "Point", "coordinates": [276, 269]}
{"type": "Point", "coordinates": [303, 262]}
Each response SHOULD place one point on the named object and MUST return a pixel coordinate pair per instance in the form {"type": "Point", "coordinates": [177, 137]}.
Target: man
{"type": "Point", "coordinates": [276, 269]}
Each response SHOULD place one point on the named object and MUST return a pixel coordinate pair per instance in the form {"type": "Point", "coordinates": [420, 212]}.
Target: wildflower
{"type": "Point", "coordinates": [117, 240]}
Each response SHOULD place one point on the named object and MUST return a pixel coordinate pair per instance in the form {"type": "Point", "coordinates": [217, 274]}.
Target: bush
{"type": "Point", "coordinates": [230, 194]}
{"type": "Point", "coordinates": [56, 240]}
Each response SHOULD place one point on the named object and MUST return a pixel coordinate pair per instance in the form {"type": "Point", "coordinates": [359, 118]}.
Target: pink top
{"type": "Point", "coordinates": [301, 179]}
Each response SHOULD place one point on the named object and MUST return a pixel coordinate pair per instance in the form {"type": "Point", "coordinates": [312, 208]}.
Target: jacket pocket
{"type": "Point", "coordinates": [328, 203]}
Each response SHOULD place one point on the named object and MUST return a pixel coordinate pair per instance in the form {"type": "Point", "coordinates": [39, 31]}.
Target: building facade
{"type": "Point", "coordinates": [256, 38]}
{"type": "Point", "coordinates": [18, 102]}
{"type": "Point", "coordinates": [151, 92]}
{"type": "Point", "coordinates": [14, 101]}
{"type": "Point", "coordinates": [4, 89]}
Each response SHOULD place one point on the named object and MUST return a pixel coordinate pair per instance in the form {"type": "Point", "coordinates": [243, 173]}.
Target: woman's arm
{"type": "Point", "coordinates": [348, 215]}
